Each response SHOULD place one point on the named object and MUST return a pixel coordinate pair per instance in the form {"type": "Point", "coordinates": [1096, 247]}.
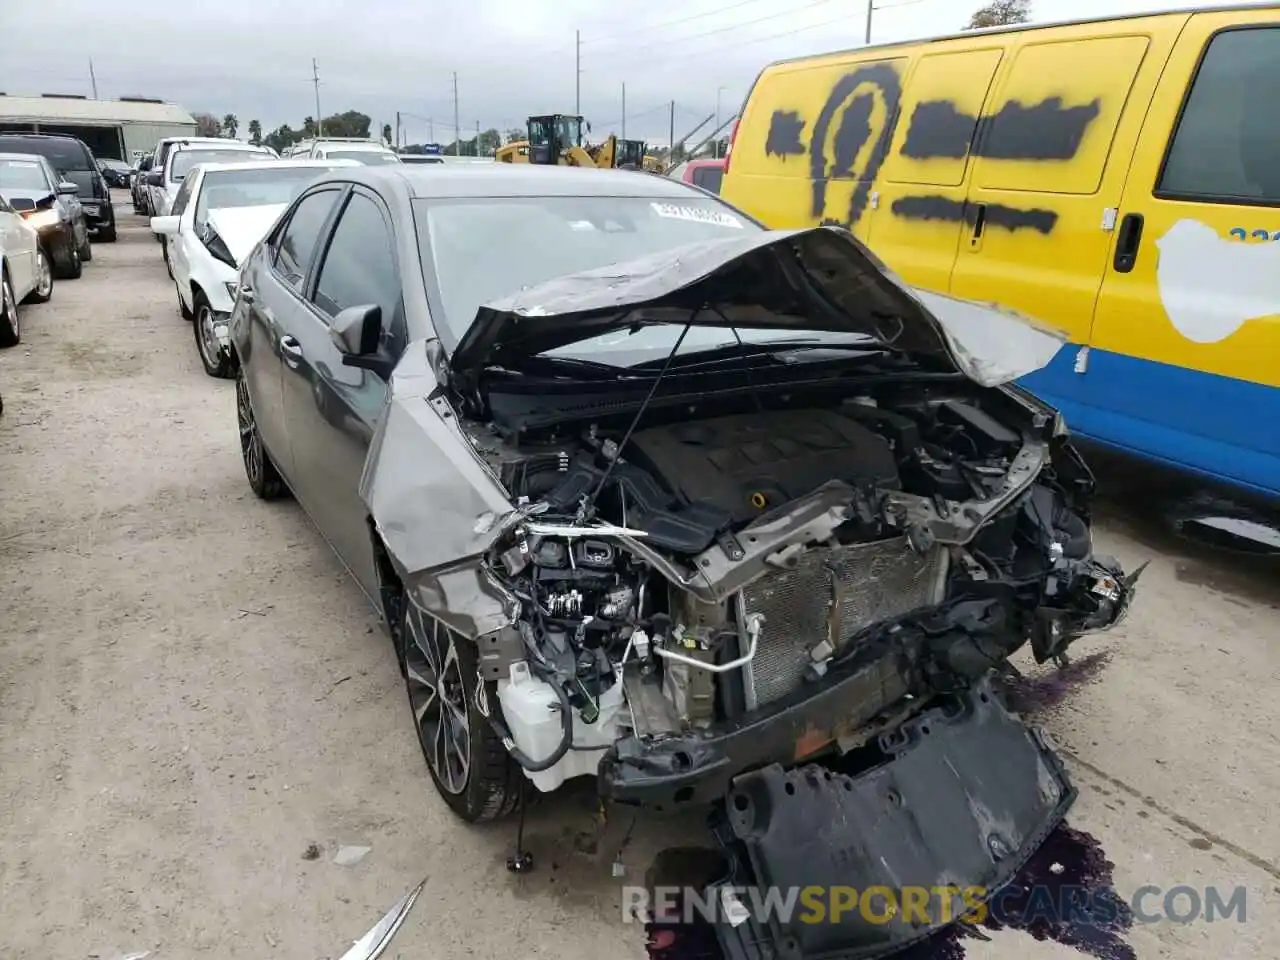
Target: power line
{"type": "Point", "coordinates": [635, 116]}
{"type": "Point", "coordinates": [791, 11]}
{"type": "Point", "coordinates": [672, 23]}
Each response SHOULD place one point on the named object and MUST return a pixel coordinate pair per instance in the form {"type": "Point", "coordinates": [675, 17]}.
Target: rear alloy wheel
{"type": "Point", "coordinates": [264, 479]}
{"type": "Point", "coordinates": [216, 363]}
{"type": "Point", "coordinates": [468, 764]}
{"type": "Point", "coordinates": [10, 332]}
{"type": "Point", "coordinates": [44, 279]}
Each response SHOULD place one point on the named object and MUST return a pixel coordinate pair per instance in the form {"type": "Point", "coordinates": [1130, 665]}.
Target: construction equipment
{"type": "Point", "coordinates": [556, 140]}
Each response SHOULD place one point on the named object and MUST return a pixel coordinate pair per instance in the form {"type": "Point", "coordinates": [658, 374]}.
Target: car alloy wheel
{"type": "Point", "coordinates": [215, 365]}
{"type": "Point", "coordinates": [264, 480]}
{"type": "Point", "coordinates": [438, 698]}
{"type": "Point", "coordinates": [44, 277]}
{"type": "Point", "coordinates": [10, 334]}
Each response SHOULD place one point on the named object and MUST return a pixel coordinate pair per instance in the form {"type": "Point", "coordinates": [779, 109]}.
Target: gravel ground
{"type": "Point", "coordinates": [197, 708]}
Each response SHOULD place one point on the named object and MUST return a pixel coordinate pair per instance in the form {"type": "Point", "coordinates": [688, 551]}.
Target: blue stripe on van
{"type": "Point", "coordinates": [1212, 425]}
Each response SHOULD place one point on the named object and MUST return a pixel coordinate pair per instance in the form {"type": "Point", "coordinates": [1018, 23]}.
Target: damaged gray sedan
{"type": "Point", "coordinates": [717, 515]}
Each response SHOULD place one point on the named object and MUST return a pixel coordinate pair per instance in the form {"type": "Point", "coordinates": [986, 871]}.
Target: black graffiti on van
{"type": "Point", "coordinates": [1046, 131]}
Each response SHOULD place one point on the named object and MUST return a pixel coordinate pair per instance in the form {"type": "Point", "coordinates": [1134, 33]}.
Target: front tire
{"type": "Point", "coordinates": [10, 331]}
{"type": "Point", "coordinates": [264, 479]}
{"type": "Point", "coordinates": [216, 363]}
{"type": "Point", "coordinates": [86, 249]}
{"type": "Point", "coordinates": [44, 279]}
{"type": "Point", "coordinates": [471, 770]}
{"type": "Point", "coordinates": [74, 267]}
{"type": "Point", "coordinates": [107, 234]}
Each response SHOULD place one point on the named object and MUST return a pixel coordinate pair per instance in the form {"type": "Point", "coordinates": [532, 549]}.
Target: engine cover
{"type": "Point", "coordinates": [747, 464]}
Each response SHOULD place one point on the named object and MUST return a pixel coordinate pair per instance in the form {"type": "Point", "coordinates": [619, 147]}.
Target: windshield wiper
{"type": "Point", "coordinates": [715, 356]}
{"type": "Point", "coordinates": [551, 366]}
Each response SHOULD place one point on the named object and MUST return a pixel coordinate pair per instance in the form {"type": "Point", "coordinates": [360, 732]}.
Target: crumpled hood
{"type": "Point", "coordinates": [819, 279]}
{"type": "Point", "coordinates": [242, 227]}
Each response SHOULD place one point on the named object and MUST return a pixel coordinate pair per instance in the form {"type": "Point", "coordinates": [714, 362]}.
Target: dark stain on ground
{"type": "Point", "coordinates": [1065, 893]}
{"type": "Point", "coordinates": [938, 131]}
{"type": "Point", "coordinates": [1043, 693]}
{"type": "Point", "coordinates": [1045, 131]}
{"type": "Point", "coordinates": [785, 131]}
{"type": "Point", "coordinates": [1200, 843]}
{"type": "Point", "coordinates": [998, 215]}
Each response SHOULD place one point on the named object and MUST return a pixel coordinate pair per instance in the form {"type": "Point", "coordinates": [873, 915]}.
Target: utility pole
{"type": "Point", "coordinates": [477, 138]}
{"type": "Point", "coordinates": [871, 6]}
{"type": "Point", "coordinates": [671, 144]}
{"type": "Point", "coordinates": [397, 130]}
{"type": "Point", "coordinates": [92, 79]}
{"type": "Point", "coordinates": [457, 130]}
{"type": "Point", "coordinates": [315, 81]}
{"type": "Point", "coordinates": [624, 110]}
{"type": "Point", "coordinates": [577, 72]}
{"type": "Point", "coordinates": [715, 148]}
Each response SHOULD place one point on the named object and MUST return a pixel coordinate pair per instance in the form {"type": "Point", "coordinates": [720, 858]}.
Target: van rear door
{"type": "Point", "coordinates": [1184, 359]}
{"type": "Point", "coordinates": [1035, 234]}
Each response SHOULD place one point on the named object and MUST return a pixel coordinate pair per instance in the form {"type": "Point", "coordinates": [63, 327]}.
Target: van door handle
{"type": "Point", "coordinates": [1128, 242]}
{"type": "Point", "coordinates": [979, 221]}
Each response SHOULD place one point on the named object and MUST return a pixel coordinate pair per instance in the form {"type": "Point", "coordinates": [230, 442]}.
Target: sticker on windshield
{"type": "Point", "coordinates": [674, 211]}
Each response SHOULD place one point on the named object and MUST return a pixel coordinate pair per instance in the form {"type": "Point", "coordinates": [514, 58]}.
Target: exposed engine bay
{"type": "Point", "coordinates": [721, 563]}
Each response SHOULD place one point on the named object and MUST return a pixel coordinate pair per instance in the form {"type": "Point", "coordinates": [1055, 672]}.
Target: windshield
{"type": "Point", "coordinates": [367, 157]}
{"type": "Point", "coordinates": [479, 251]}
{"type": "Point", "coordinates": [253, 188]}
{"type": "Point", "coordinates": [24, 175]}
{"type": "Point", "coordinates": [182, 161]}
{"type": "Point", "coordinates": [569, 131]}
{"type": "Point", "coordinates": [630, 151]}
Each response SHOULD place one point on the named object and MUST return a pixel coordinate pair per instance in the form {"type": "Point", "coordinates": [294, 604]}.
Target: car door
{"type": "Point", "coordinates": [1184, 355]}
{"type": "Point", "coordinates": [179, 250]}
{"type": "Point", "coordinates": [271, 287]}
{"type": "Point", "coordinates": [331, 409]}
{"type": "Point", "coordinates": [19, 250]}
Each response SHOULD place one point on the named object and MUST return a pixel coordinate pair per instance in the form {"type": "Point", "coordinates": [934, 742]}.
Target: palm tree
{"type": "Point", "coordinates": [230, 125]}
{"type": "Point", "coordinates": [255, 132]}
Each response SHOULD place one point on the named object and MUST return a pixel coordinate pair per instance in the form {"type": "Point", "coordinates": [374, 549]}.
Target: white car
{"type": "Point", "coordinates": [26, 276]}
{"type": "Point", "coordinates": [362, 151]}
{"type": "Point", "coordinates": [219, 214]}
{"type": "Point", "coordinates": [159, 156]}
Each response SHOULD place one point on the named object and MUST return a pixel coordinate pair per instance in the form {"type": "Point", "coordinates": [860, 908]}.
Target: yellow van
{"type": "Point", "coordinates": [1118, 179]}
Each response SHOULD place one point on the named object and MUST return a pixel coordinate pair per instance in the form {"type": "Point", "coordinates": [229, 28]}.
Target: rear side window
{"type": "Point", "coordinates": [298, 242]}
{"type": "Point", "coordinates": [1227, 145]}
{"type": "Point", "coordinates": [708, 178]}
{"type": "Point", "coordinates": [1047, 137]}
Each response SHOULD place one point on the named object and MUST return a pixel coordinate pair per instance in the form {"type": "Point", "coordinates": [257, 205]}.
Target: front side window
{"type": "Point", "coordinates": [359, 267]}
{"type": "Point", "coordinates": [1227, 144]}
{"type": "Point", "coordinates": [297, 243]}
{"type": "Point", "coordinates": [708, 178]}
{"type": "Point", "coordinates": [180, 201]}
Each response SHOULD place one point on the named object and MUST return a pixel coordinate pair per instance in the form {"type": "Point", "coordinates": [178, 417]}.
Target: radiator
{"type": "Point", "coordinates": [870, 582]}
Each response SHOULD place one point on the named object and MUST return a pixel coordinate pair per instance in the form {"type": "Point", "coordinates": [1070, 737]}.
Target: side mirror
{"type": "Point", "coordinates": [67, 188]}
{"type": "Point", "coordinates": [165, 226]}
{"type": "Point", "coordinates": [155, 178]}
{"type": "Point", "coordinates": [357, 333]}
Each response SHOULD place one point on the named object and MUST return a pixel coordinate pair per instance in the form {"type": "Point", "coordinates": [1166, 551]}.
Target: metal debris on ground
{"type": "Point", "coordinates": [350, 856]}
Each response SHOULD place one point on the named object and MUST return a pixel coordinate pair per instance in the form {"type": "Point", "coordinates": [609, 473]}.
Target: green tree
{"type": "Point", "coordinates": [207, 125]}
{"type": "Point", "coordinates": [349, 123]}
{"type": "Point", "coordinates": [514, 134]}
{"type": "Point", "coordinates": [308, 126]}
{"type": "Point", "coordinates": [386, 132]}
{"type": "Point", "coordinates": [282, 137]}
{"type": "Point", "coordinates": [230, 125]}
{"type": "Point", "coordinates": [255, 132]}
{"type": "Point", "coordinates": [490, 141]}
{"type": "Point", "coordinates": [1000, 13]}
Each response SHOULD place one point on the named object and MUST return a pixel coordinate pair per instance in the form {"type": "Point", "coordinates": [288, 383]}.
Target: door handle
{"type": "Point", "coordinates": [1127, 242]}
{"type": "Point", "coordinates": [290, 350]}
{"type": "Point", "coordinates": [979, 221]}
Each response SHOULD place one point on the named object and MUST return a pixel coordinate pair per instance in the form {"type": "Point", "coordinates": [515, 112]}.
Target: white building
{"type": "Point", "coordinates": [111, 128]}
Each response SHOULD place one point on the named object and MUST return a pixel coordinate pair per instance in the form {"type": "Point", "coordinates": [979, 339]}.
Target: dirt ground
{"type": "Point", "coordinates": [193, 694]}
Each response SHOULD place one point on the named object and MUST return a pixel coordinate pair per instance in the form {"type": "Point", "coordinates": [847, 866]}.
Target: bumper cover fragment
{"type": "Point", "coordinates": [968, 794]}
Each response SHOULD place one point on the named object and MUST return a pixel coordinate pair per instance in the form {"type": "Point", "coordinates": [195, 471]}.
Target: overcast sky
{"type": "Point", "coordinates": [512, 57]}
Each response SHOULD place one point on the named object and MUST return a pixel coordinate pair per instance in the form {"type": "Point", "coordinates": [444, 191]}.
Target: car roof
{"type": "Point", "coordinates": [12, 134]}
{"type": "Point", "coordinates": [287, 164]}
{"type": "Point", "coordinates": [699, 162]}
{"type": "Point", "coordinates": [516, 180]}
{"type": "Point", "coordinates": [220, 145]}
{"type": "Point", "coordinates": [30, 157]}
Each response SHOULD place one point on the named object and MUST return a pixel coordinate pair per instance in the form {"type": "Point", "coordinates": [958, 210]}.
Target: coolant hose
{"type": "Point", "coordinates": [566, 734]}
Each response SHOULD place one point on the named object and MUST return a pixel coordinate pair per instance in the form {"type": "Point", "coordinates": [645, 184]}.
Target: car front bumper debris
{"type": "Point", "coordinates": [957, 800]}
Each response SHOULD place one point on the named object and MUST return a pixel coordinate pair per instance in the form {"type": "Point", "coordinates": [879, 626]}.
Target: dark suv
{"type": "Point", "coordinates": [73, 161]}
